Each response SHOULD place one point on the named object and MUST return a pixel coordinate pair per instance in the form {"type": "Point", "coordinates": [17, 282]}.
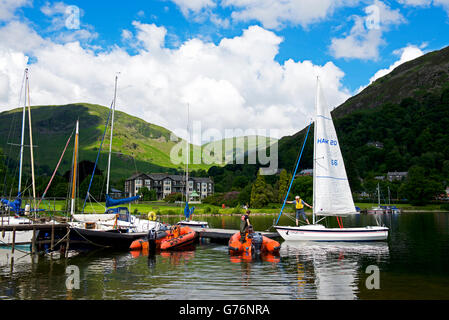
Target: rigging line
{"type": "Point", "coordinates": [54, 172]}
{"type": "Point", "coordinates": [293, 177]}
{"type": "Point", "coordinates": [10, 129]}
{"type": "Point", "coordinates": [98, 155]}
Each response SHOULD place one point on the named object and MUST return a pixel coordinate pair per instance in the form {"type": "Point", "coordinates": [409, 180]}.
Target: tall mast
{"type": "Point", "coordinates": [378, 194]}
{"type": "Point", "coordinates": [75, 158]}
{"type": "Point", "coordinates": [27, 94]}
{"type": "Point", "coordinates": [22, 136]}
{"type": "Point", "coordinates": [389, 200]}
{"type": "Point", "coordinates": [187, 155]}
{"type": "Point", "coordinates": [110, 141]}
{"type": "Point", "coordinates": [317, 100]}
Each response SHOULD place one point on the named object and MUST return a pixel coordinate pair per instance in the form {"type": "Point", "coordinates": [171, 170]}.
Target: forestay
{"type": "Point", "coordinates": [331, 192]}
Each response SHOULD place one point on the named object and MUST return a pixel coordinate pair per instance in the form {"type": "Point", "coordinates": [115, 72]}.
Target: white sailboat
{"type": "Point", "coordinates": [189, 211]}
{"type": "Point", "coordinates": [114, 219]}
{"type": "Point", "coordinates": [331, 192]}
{"type": "Point", "coordinates": [21, 237]}
{"type": "Point", "coordinates": [379, 208]}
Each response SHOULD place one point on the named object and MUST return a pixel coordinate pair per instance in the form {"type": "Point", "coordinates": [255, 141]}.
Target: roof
{"type": "Point", "coordinates": [397, 173]}
{"type": "Point", "coordinates": [174, 177]}
{"type": "Point", "coordinates": [201, 179]}
{"type": "Point", "coordinates": [136, 175]}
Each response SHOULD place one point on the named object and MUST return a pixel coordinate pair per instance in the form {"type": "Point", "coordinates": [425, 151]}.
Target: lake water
{"type": "Point", "coordinates": [412, 264]}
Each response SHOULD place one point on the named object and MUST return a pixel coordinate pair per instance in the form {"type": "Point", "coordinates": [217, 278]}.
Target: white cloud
{"type": "Point", "coordinates": [365, 37]}
{"type": "Point", "coordinates": [426, 3]}
{"type": "Point", "coordinates": [443, 3]}
{"type": "Point", "coordinates": [188, 6]}
{"type": "Point", "coordinates": [416, 3]}
{"type": "Point", "coordinates": [150, 36]}
{"type": "Point", "coordinates": [9, 7]}
{"type": "Point", "coordinates": [233, 84]}
{"type": "Point", "coordinates": [65, 23]}
{"type": "Point", "coordinates": [408, 53]}
{"type": "Point", "coordinates": [276, 14]}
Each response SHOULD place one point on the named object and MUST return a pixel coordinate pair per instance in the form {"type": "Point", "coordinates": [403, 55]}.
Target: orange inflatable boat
{"type": "Point", "coordinates": [254, 242]}
{"type": "Point", "coordinates": [172, 238]}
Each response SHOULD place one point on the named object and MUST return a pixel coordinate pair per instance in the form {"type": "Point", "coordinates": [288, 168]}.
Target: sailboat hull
{"type": "Point", "coordinates": [320, 233]}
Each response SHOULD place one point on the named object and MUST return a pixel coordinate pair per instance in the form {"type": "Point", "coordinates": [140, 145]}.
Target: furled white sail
{"type": "Point", "coordinates": [331, 192]}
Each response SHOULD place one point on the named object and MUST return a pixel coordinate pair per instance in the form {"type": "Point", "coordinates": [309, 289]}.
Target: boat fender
{"type": "Point", "coordinates": [152, 216]}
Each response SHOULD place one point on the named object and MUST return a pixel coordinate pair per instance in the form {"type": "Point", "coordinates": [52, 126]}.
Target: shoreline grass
{"type": "Point", "coordinates": [170, 209]}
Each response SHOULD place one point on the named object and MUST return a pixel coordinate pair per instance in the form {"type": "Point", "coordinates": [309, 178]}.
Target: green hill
{"type": "Point", "coordinates": [137, 145]}
{"type": "Point", "coordinates": [406, 111]}
{"type": "Point", "coordinates": [241, 146]}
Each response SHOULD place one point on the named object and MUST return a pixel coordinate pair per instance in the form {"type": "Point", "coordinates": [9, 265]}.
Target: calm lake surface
{"type": "Point", "coordinates": [412, 264]}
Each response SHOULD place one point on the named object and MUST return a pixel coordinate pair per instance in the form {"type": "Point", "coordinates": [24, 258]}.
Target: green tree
{"type": "Point", "coordinates": [240, 182]}
{"type": "Point", "coordinates": [419, 188]}
{"type": "Point", "coordinates": [258, 193]}
{"type": "Point", "coordinates": [245, 194]}
{"type": "Point", "coordinates": [303, 186]}
{"type": "Point", "coordinates": [284, 181]}
{"type": "Point", "coordinates": [147, 195]}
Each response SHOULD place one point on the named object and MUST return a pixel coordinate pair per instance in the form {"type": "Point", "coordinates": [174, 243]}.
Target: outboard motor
{"type": "Point", "coordinates": [257, 242]}
{"type": "Point", "coordinates": [152, 235]}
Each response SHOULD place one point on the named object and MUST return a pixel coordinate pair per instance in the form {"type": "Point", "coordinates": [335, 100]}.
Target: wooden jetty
{"type": "Point", "coordinates": [36, 227]}
{"type": "Point", "coordinates": [63, 234]}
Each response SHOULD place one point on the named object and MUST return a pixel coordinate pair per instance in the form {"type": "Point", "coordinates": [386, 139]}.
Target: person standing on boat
{"type": "Point", "coordinates": [244, 225]}
{"type": "Point", "coordinates": [299, 206]}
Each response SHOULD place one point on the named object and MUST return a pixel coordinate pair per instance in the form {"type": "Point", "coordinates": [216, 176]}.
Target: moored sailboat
{"type": "Point", "coordinates": [21, 216]}
{"type": "Point", "coordinates": [113, 219]}
{"type": "Point", "coordinates": [331, 191]}
{"type": "Point", "coordinates": [188, 212]}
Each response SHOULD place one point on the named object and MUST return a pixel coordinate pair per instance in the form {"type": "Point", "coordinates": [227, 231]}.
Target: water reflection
{"type": "Point", "coordinates": [331, 270]}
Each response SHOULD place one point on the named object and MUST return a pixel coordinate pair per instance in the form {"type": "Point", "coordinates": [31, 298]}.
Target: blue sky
{"type": "Point", "coordinates": [335, 36]}
{"type": "Point", "coordinates": [424, 26]}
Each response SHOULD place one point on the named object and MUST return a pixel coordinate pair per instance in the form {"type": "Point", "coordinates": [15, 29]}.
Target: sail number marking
{"type": "Point", "coordinates": [327, 141]}
{"type": "Point", "coordinates": [334, 162]}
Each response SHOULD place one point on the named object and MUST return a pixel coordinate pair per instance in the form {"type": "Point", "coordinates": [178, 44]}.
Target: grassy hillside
{"type": "Point", "coordinates": [240, 146]}
{"type": "Point", "coordinates": [413, 79]}
{"type": "Point", "coordinates": [137, 145]}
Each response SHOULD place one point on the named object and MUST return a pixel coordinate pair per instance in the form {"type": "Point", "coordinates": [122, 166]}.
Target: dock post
{"type": "Point", "coordinates": [33, 241]}
{"type": "Point", "coordinates": [13, 239]}
{"type": "Point", "coordinates": [52, 241]}
{"type": "Point", "coordinates": [68, 241]}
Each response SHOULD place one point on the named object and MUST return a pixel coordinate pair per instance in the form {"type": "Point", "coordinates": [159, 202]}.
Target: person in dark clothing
{"type": "Point", "coordinates": [244, 225]}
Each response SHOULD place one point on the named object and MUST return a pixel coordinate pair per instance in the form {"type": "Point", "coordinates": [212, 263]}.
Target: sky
{"type": "Point", "coordinates": [236, 64]}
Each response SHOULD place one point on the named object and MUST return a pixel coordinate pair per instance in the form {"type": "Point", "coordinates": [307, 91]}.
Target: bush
{"type": "Point", "coordinates": [172, 197]}
{"type": "Point", "coordinates": [237, 209]}
{"type": "Point", "coordinates": [207, 210]}
{"type": "Point", "coordinates": [216, 211]}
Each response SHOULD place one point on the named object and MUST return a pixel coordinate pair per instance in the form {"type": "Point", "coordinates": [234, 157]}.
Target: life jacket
{"type": "Point", "coordinates": [299, 204]}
